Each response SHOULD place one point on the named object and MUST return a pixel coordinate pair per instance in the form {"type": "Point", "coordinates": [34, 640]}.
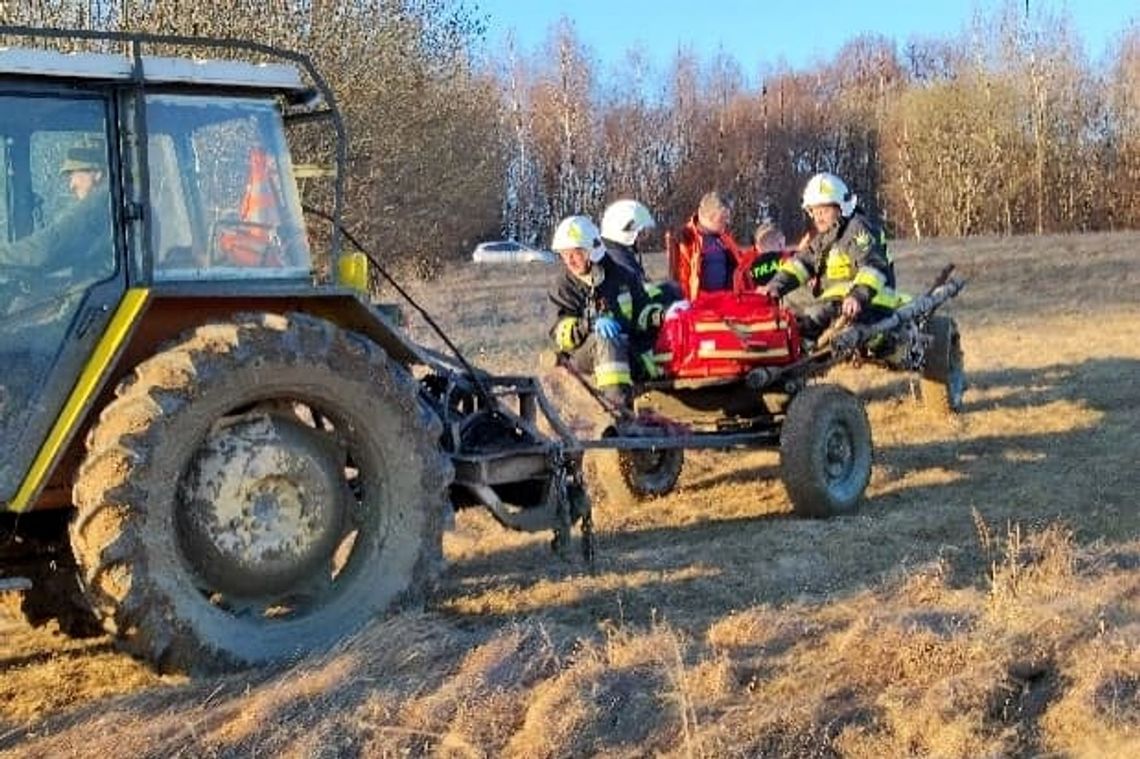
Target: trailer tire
{"type": "Point", "coordinates": [943, 382]}
{"type": "Point", "coordinates": [628, 478]}
{"type": "Point", "coordinates": [825, 452]}
{"type": "Point", "coordinates": [258, 491]}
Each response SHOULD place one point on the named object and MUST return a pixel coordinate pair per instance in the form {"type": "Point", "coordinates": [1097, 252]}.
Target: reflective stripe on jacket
{"type": "Point", "coordinates": [854, 259]}
{"type": "Point", "coordinates": [615, 293]}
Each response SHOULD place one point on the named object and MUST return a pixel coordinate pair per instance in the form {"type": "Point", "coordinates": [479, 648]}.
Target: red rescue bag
{"type": "Point", "coordinates": [726, 334]}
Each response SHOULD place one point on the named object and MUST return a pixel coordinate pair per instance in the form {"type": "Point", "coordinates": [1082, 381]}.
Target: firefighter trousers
{"type": "Point", "coordinates": [608, 361]}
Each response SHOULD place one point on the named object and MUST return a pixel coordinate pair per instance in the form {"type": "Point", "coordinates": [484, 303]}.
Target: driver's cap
{"type": "Point", "coordinates": [86, 156]}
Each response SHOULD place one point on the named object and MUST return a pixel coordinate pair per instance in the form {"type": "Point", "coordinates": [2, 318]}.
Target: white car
{"type": "Point", "coordinates": [510, 252]}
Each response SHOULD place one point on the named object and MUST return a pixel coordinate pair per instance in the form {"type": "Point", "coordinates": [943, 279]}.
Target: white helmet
{"type": "Point", "coordinates": [578, 232]}
{"type": "Point", "coordinates": [827, 189]}
{"type": "Point", "coordinates": [624, 219]}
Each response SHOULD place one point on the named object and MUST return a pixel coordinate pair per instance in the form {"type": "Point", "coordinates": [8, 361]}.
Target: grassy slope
{"type": "Point", "coordinates": [985, 602]}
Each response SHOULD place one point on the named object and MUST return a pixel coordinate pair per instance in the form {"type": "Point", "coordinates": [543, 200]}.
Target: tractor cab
{"type": "Point", "coordinates": [129, 179]}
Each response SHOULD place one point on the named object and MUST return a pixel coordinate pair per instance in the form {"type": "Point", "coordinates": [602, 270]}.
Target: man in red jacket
{"type": "Point", "coordinates": [707, 257]}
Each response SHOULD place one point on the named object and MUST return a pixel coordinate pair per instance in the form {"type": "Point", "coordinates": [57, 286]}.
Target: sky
{"type": "Point", "coordinates": [762, 33]}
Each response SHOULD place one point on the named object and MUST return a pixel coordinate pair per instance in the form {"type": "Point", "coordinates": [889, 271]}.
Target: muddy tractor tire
{"type": "Point", "coordinates": [258, 491]}
{"type": "Point", "coordinates": [944, 375]}
{"type": "Point", "coordinates": [628, 478]}
{"type": "Point", "coordinates": [825, 452]}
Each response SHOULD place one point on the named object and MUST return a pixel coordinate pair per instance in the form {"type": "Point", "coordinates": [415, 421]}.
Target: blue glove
{"type": "Point", "coordinates": [606, 327]}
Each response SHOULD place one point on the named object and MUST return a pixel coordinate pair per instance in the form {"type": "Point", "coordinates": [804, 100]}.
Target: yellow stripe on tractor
{"type": "Point", "coordinates": [89, 380]}
{"type": "Point", "coordinates": [352, 271]}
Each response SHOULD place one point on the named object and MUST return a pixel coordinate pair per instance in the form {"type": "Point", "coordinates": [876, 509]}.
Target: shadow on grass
{"type": "Point", "coordinates": [742, 476]}
{"type": "Point", "coordinates": [1079, 477]}
{"type": "Point", "coordinates": [42, 657]}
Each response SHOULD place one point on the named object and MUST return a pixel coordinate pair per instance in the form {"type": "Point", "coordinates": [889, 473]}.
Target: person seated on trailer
{"type": "Point", "coordinates": [624, 227]}
{"type": "Point", "coordinates": [845, 254]}
{"type": "Point", "coordinates": [604, 317]}
{"type": "Point", "coordinates": [763, 259]}
{"type": "Point", "coordinates": [707, 256]}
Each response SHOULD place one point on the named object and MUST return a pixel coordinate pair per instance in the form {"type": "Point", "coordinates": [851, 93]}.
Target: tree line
{"type": "Point", "coordinates": [1004, 128]}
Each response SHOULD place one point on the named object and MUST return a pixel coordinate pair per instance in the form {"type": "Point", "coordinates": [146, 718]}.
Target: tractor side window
{"type": "Point", "coordinates": [222, 189]}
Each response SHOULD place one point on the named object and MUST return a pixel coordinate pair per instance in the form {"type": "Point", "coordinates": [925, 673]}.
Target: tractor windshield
{"type": "Point", "coordinates": [223, 197]}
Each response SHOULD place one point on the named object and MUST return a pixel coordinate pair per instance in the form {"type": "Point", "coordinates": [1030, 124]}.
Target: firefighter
{"type": "Point", "coordinates": [604, 316]}
{"type": "Point", "coordinates": [623, 225]}
{"type": "Point", "coordinates": [707, 256]}
{"type": "Point", "coordinates": [844, 254]}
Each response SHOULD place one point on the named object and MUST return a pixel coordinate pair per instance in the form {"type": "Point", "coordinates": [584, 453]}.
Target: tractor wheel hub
{"type": "Point", "coordinates": [265, 503]}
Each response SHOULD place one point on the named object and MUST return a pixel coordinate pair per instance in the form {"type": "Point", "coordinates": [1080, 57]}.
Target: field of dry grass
{"type": "Point", "coordinates": [985, 602]}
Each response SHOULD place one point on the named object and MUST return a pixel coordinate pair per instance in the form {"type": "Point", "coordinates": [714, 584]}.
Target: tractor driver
{"type": "Point", "coordinates": [79, 235]}
{"type": "Point", "coordinates": [707, 256]}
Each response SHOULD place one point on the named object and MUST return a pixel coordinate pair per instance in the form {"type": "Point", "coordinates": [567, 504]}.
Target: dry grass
{"type": "Point", "coordinates": [986, 602]}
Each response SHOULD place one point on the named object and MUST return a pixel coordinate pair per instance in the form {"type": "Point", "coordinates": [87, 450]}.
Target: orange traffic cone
{"type": "Point", "coordinates": [253, 244]}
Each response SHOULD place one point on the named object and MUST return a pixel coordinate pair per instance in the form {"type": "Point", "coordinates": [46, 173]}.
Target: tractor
{"type": "Point", "coordinates": [215, 446]}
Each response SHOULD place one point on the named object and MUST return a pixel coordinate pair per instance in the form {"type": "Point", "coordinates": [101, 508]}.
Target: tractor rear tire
{"type": "Point", "coordinates": [944, 375]}
{"type": "Point", "coordinates": [628, 478]}
{"type": "Point", "coordinates": [258, 491]}
{"type": "Point", "coordinates": [825, 452]}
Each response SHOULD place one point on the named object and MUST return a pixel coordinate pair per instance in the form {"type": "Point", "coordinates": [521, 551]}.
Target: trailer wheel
{"type": "Point", "coordinates": [258, 491]}
{"type": "Point", "coordinates": [631, 477]}
{"type": "Point", "coordinates": [944, 376]}
{"type": "Point", "coordinates": [825, 452]}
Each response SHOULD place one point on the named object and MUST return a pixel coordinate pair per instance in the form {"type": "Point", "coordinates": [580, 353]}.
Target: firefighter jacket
{"type": "Point", "coordinates": [612, 291]}
{"type": "Point", "coordinates": [628, 257]}
{"type": "Point", "coordinates": [759, 267]}
{"type": "Point", "coordinates": [690, 241]}
{"type": "Point", "coordinates": [849, 259]}
{"type": "Point", "coordinates": [625, 256]}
